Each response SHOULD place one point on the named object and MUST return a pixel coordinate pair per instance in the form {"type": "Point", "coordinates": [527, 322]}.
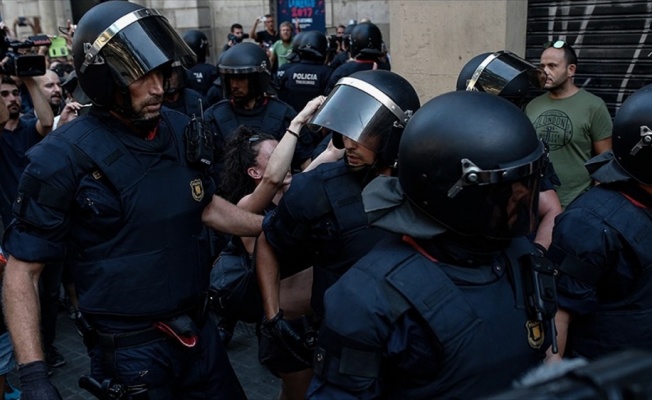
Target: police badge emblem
{"type": "Point", "coordinates": [534, 334]}
{"type": "Point", "coordinates": [197, 189]}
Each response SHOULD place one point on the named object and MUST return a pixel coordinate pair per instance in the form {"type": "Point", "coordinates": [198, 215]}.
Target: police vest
{"type": "Point", "coordinates": [481, 335]}
{"type": "Point", "coordinates": [622, 323]}
{"type": "Point", "coordinates": [303, 82]}
{"type": "Point", "coordinates": [328, 203]}
{"type": "Point", "coordinates": [271, 119]}
{"type": "Point", "coordinates": [154, 263]}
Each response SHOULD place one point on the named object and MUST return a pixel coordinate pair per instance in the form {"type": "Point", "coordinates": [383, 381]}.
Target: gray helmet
{"type": "Point", "coordinates": [108, 48]}
{"type": "Point", "coordinates": [472, 162]}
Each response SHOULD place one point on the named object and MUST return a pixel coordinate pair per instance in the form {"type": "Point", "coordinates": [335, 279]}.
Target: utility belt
{"type": "Point", "coordinates": [182, 329]}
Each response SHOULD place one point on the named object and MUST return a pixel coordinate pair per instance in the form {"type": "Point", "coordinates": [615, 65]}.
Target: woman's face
{"type": "Point", "coordinates": [265, 150]}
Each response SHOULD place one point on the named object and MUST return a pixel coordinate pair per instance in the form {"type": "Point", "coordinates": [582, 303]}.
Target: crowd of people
{"type": "Point", "coordinates": [384, 248]}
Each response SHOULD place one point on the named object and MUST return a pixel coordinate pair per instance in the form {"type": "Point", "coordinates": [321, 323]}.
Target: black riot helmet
{"type": "Point", "coordinates": [313, 46]}
{"type": "Point", "coordinates": [631, 154]}
{"type": "Point", "coordinates": [503, 74]}
{"type": "Point", "coordinates": [371, 108]}
{"type": "Point", "coordinates": [366, 41]}
{"type": "Point", "coordinates": [472, 162]}
{"type": "Point", "coordinates": [297, 39]}
{"type": "Point", "coordinates": [249, 60]}
{"type": "Point", "coordinates": [198, 42]}
{"type": "Point", "coordinates": [109, 48]}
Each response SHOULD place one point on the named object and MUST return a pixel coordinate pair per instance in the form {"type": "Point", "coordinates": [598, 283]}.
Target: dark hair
{"type": "Point", "coordinates": [240, 152]}
{"type": "Point", "coordinates": [6, 79]}
{"type": "Point", "coordinates": [236, 26]}
{"type": "Point", "coordinates": [569, 54]}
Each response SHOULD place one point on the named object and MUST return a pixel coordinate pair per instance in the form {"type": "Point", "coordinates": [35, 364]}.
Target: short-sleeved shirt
{"type": "Point", "coordinates": [266, 39]}
{"type": "Point", "coordinates": [13, 146]}
{"type": "Point", "coordinates": [281, 50]}
{"type": "Point", "coordinates": [570, 126]}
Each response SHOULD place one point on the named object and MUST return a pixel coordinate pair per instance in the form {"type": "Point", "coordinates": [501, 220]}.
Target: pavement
{"type": "Point", "coordinates": [258, 382]}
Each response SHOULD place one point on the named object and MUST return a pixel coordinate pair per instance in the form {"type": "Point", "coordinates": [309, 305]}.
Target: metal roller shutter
{"type": "Point", "coordinates": [612, 40]}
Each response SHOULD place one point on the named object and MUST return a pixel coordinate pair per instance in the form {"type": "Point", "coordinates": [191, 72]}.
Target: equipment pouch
{"type": "Point", "coordinates": [540, 291]}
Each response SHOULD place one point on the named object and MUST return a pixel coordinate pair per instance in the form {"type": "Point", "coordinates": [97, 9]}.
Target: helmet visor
{"type": "Point", "coordinates": [358, 115]}
{"type": "Point", "coordinates": [510, 196]}
{"type": "Point", "coordinates": [512, 208]}
{"type": "Point", "coordinates": [500, 69]}
{"type": "Point", "coordinates": [143, 42]}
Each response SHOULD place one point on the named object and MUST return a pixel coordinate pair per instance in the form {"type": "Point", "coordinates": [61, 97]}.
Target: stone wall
{"type": "Point", "coordinates": [429, 40]}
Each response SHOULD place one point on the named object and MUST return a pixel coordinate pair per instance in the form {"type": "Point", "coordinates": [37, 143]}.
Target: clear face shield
{"type": "Point", "coordinates": [505, 74]}
{"type": "Point", "coordinates": [136, 44]}
{"type": "Point", "coordinates": [511, 195]}
{"type": "Point", "coordinates": [361, 112]}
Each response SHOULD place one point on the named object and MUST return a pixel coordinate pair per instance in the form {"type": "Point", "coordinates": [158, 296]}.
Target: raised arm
{"type": "Point", "coordinates": [252, 32]}
{"type": "Point", "coordinates": [279, 162]}
{"type": "Point", "coordinates": [42, 108]}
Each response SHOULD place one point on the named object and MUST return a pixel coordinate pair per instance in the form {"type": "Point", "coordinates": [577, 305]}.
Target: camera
{"type": "Point", "coordinates": [18, 64]}
{"type": "Point", "coordinates": [233, 38]}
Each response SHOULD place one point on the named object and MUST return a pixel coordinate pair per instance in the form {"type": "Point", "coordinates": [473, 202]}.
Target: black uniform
{"type": "Point", "coordinates": [188, 103]}
{"type": "Point", "coordinates": [269, 115]}
{"type": "Point", "coordinates": [201, 76]}
{"type": "Point", "coordinates": [122, 254]}
{"type": "Point", "coordinates": [302, 82]}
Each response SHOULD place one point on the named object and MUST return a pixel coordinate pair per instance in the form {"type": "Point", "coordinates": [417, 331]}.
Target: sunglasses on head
{"type": "Point", "coordinates": [558, 44]}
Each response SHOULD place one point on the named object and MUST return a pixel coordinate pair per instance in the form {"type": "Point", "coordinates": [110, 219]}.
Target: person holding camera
{"type": "Point", "coordinates": [236, 35]}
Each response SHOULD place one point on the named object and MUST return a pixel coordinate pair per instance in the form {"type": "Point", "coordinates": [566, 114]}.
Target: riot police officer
{"type": "Point", "coordinates": [365, 49]}
{"type": "Point", "coordinates": [307, 79]}
{"type": "Point", "coordinates": [505, 74]}
{"type": "Point", "coordinates": [320, 220]}
{"type": "Point", "coordinates": [202, 74]}
{"type": "Point", "coordinates": [431, 313]}
{"type": "Point", "coordinates": [246, 76]}
{"type": "Point", "coordinates": [123, 206]}
{"type": "Point", "coordinates": [602, 244]}
{"type": "Point", "coordinates": [181, 98]}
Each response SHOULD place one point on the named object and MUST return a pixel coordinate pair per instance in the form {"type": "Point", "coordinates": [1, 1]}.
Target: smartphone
{"type": "Point", "coordinates": [262, 19]}
{"type": "Point", "coordinates": [21, 21]}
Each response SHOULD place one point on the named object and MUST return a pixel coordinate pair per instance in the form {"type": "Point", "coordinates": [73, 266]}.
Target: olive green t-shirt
{"type": "Point", "coordinates": [570, 126]}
